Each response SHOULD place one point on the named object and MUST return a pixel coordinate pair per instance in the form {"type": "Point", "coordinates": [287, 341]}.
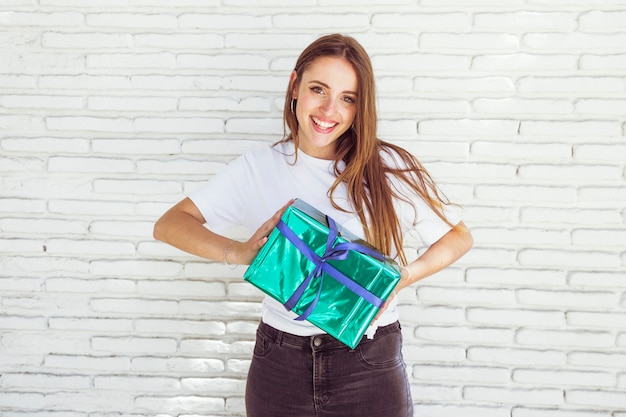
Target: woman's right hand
{"type": "Point", "coordinates": [243, 253]}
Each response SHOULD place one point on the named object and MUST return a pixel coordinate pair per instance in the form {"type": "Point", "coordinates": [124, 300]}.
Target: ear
{"type": "Point", "coordinates": [293, 78]}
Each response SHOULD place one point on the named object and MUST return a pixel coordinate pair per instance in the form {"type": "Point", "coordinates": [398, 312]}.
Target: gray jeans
{"type": "Point", "coordinates": [318, 376]}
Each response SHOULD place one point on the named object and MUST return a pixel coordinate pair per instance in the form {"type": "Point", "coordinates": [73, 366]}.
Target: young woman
{"type": "Point", "coordinates": [332, 159]}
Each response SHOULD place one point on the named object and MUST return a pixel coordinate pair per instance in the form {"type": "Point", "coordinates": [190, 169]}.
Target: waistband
{"type": "Point", "coordinates": [322, 341]}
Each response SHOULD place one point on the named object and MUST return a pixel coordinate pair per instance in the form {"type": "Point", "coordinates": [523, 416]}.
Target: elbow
{"type": "Point", "coordinates": [158, 231]}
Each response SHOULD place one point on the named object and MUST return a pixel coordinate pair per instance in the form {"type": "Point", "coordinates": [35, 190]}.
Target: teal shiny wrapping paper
{"type": "Point", "coordinates": [280, 268]}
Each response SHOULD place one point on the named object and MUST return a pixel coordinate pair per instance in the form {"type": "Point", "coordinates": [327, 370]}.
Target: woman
{"type": "Point", "coordinates": [330, 158]}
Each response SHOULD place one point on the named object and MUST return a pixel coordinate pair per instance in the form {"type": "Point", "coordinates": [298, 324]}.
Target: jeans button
{"type": "Point", "coordinates": [317, 341]}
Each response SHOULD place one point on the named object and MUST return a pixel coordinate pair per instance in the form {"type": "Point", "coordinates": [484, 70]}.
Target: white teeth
{"type": "Point", "coordinates": [323, 125]}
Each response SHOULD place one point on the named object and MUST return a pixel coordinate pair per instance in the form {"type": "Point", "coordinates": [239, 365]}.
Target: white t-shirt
{"type": "Point", "coordinates": [255, 185]}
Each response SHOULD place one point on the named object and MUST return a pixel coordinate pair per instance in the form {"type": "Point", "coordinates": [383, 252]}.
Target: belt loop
{"type": "Point", "coordinates": [279, 338]}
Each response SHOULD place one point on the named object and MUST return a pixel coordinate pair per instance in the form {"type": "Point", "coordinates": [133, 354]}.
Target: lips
{"type": "Point", "coordinates": [322, 125]}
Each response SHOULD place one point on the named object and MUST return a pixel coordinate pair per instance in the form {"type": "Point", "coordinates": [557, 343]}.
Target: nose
{"type": "Point", "coordinates": [327, 106]}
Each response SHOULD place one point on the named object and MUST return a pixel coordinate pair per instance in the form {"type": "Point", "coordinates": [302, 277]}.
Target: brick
{"type": "Point", "coordinates": [544, 412]}
{"type": "Point", "coordinates": [19, 400]}
{"type": "Point", "coordinates": [91, 164]}
{"type": "Point", "coordinates": [320, 21]}
{"type": "Point", "coordinates": [396, 105]}
{"type": "Point", "coordinates": [172, 41]}
{"type": "Point", "coordinates": [95, 324]}
{"type": "Point", "coordinates": [136, 187]}
{"type": "Point", "coordinates": [425, 21]}
{"type": "Point", "coordinates": [522, 105]}
{"type": "Point", "coordinates": [180, 167]}
{"type": "Point", "coordinates": [604, 398]}
{"type": "Point", "coordinates": [45, 381]}
{"type": "Point", "coordinates": [447, 410]}
{"type": "Point", "coordinates": [216, 385]}
{"type": "Point", "coordinates": [470, 127]}
{"type": "Point", "coordinates": [222, 61]}
{"type": "Point", "coordinates": [526, 21]}
{"type": "Point", "coordinates": [35, 19]}
{"type": "Point", "coordinates": [524, 151]}
{"type": "Point", "coordinates": [20, 164]}
{"type": "Point", "coordinates": [522, 61]}
{"type": "Point", "coordinates": [24, 323]}
{"type": "Point", "coordinates": [416, 314]}
{"type": "Point", "coordinates": [84, 81]}
{"type": "Point", "coordinates": [597, 279]}
{"type": "Point", "coordinates": [42, 63]}
{"type": "Point", "coordinates": [131, 20]}
{"type": "Point", "coordinates": [182, 404]}
{"type": "Point", "coordinates": [558, 128]}
{"type": "Point", "coordinates": [433, 353]}
{"type": "Point", "coordinates": [88, 363]}
{"type": "Point", "coordinates": [601, 106]}
{"type": "Point", "coordinates": [220, 309]}
{"type": "Point", "coordinates": [186, 327]}
{"type": "Point", "coordinates": [516, 277]}
{"type": "Point", "coordinates": [182, 288]}
{"type": "Point", "coordinates": [136, 383]}
{"type": "Point", "coordinates": [128, 345]}
{"type": "Point", "coordinates": [456, 85]}
{"type": "Point", "coordinates": [515, 356]}
{"type": "Point", "coordinates": [599, 152]}
{"type": "Point", "coordinates": [262, 83]}
{"type": "Point", "coordinates": [597, 320]}
{"type": "Point", "coordinates": [461, 373]}
{"type": "Point", "coordinates": [90, 286]}
{"type": "Point", "coordinates": [602, 21]}
{"type": "Point", "coordinates": [563, 378]}
{"type": "Point", "coordinates": [86, 40]}
{"type": "Point", "coordinates": [570, 84]}
{"type": "Point", "coordinates": [46, 226]}
{"type": "Point", "coordinates": [178, 125]}
{"type": "Point", "coordinates": [36, 145]}
{"type": "Point", "coordinates": [578, 216]}
{"type": "Point", "coordinates": [97, 124]}
{"type": "Point", "coordinates": [465, 295]}
{"type": "Point", "coordinates": [225, 104]}
{"type": "Point", "coordinates": [576, 41]}
{"type": "Point", "coordinates": [515, 317]}
{"type": "Point", "coordinates": [133, 306]}
{"type": "Point", "coordinates": [512, 236]}
{"type": "Point", "coordinates": [608, 62]}
{"type": "Point", "coordinates": [469, 41]}
{"type": "Point", "coordinates": [537, 396]}
{"type": "Point", "coordinates": [41, 102]}
{"type": "Point", "coordinates": [607, 237]}
{"type": "Point", "coordinates": [419, 62]}
{"type": "Point", "coordinates": [151, 104]}
{"type": "Point", "coordinates": [423, 393]}
{"type": "Point", "coordinates": [464, 334]}
{"type": "Point", "coordinates": [565, 338]}
{"type": "Point", "coordinates": [254, 126]}
{"type": "Point", "coordinates": [177, 365]}
{"type": "Point", "coordinates": [164, 60]}
{"type": "Point", "coordinates": [574, 259]}
{"type": "Point", "coordinates": [216, 21]}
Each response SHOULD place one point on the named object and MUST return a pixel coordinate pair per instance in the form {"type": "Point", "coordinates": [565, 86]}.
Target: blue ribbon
{"type": "Point", "coordinates": [332, 252]}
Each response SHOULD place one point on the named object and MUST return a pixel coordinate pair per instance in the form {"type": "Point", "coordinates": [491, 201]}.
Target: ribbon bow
{"type": "Point", "coordinates": [339, 251]}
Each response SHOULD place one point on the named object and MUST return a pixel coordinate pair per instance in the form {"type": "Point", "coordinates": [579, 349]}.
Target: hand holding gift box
{"type": "Point", "coordinates": [324, 273]}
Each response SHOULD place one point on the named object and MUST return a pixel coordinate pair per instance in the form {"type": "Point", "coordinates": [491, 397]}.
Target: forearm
{"type": "Point", "coordinates": [186, 233]}
{"type": "Point", "coordinates": [441, 254]}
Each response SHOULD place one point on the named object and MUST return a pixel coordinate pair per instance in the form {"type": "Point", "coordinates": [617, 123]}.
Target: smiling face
{"type": "Point", "coordinates": [326, 106]}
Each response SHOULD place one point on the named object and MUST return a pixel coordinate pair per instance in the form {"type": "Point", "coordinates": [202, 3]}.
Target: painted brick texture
{"type": "Point", "coordinates": [112, 110]}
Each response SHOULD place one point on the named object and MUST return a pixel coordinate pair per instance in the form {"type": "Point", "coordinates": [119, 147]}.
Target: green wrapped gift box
{"type": "Point", "coordinates": [323, 273]}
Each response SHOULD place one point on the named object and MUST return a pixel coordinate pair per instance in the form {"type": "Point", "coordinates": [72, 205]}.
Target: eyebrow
{"type": "Point", "coordinates": [323, 84]}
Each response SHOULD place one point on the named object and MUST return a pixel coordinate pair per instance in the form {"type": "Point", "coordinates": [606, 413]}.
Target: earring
{"type": "Point", "coordinates": [293, 105]}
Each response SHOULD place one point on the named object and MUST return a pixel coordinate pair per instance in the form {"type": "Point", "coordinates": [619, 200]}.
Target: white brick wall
{"type": "Point", "coordinates": [112, 110]}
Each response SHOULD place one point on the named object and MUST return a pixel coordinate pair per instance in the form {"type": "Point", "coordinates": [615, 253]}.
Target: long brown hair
{"type": "Point", "coordinates": [365, 173]}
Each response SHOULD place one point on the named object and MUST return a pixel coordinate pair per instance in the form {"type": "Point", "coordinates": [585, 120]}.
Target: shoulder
{"type": "Point", "coordinates": [267, 152]}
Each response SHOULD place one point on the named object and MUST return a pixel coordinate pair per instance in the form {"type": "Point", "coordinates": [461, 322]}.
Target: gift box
{"type": "Point", "coordinates": [323, 273]}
